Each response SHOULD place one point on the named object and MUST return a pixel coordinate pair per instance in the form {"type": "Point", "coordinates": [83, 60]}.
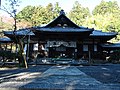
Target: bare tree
{"type": "Point", "coordinates": [11, 7]}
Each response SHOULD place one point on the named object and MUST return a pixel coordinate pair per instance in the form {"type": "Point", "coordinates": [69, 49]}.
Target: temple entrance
{"type": "Point", "coordinates": [61, 52]}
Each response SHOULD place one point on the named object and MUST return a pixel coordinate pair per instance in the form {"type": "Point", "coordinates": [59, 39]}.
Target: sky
{"type": "Point", "coordinates": [66, 5]}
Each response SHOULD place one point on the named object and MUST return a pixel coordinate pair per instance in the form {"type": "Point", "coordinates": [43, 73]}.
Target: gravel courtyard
{"type": "Point", "coordinates": [99, 77]}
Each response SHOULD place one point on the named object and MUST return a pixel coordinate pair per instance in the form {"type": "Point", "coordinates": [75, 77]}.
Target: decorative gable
{"type": "Point", "coordinates": [62, 21]}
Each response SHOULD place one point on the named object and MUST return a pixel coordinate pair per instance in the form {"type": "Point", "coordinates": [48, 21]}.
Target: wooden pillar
{"type": "Point", "coordinates": [89, 57]}
{"type": "Point", "coordinates": [36, 53]}
{"type": "Point", "coordinates": [27, 50]}
{"type": "Point", "coordinates": [16, 51]}
{"type": "Point", "coordinates": [27, 53]}
{"type": "Point", "coordinates": [4, 52]}
{"type": "Point", "coordinates": [0, 46]}
{"type": "Point", "coordinates": [92, 49]}
{"type": "Point", "coordinates": [11, 47]}
{"type": "Point", "coordinates": [75, 53]}
{"type": "Point", "coordinates": [6, 47]}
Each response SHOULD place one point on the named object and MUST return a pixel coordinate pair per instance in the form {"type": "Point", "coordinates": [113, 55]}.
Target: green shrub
{"type": "Point", "coordinates": [7, 54]}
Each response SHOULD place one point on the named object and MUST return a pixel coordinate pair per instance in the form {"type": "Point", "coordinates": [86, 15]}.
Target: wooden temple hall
{"type": "Point", "coordinates": [62, 38]}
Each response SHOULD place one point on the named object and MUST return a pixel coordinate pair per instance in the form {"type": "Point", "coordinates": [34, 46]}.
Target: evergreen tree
{"type": "Point", "coordinates": [78, 14]}
{"type": "Point", "coordinates": [39, 15]}
{"type": "Point", "coordinates": [56, 10]}
{"type": "Point", "coordinates": [108, 16]}
{"type": "Point", "coordinates": [26, 14]}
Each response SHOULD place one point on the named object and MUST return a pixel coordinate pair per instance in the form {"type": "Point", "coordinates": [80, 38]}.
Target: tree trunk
{"type": "Point", "coordinates": [23, 57]}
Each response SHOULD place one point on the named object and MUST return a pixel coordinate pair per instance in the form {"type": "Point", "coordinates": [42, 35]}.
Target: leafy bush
{"type": "Point", "coordinates": [7, 54]}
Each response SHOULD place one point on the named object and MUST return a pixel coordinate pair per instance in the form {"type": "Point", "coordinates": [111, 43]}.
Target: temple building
{"type": "Point", "coordinates": [64, 39]}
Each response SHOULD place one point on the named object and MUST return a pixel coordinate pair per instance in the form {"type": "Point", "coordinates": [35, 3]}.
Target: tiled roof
{"type": "Point", "coordinates": [5, 39]}
{"type": "Point", "coordinates": [115, 45]}
{"type": "Point", "coordinates": [100, 33]}
{"type": "Point", "coordinates": [20, 32]}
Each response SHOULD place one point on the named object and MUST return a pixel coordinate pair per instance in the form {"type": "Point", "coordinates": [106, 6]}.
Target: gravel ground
{"type": "Point", "coordinates": [106, 74]}
{"type": "Point", "coordinates": [100, 77]}
{"type": "Point", "coordinates": [7, 74]}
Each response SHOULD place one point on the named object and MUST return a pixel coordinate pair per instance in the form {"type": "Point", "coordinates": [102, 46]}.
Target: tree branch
{"type": "Point", "coordinates": [4, 9]}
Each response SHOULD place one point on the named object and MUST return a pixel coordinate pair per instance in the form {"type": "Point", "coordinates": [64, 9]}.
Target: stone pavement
{"type": "Point", "coordinates": [56, 77]}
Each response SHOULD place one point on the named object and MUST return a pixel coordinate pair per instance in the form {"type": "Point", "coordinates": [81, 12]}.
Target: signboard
{"type": "Point", "coordinates": [59, 43]}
